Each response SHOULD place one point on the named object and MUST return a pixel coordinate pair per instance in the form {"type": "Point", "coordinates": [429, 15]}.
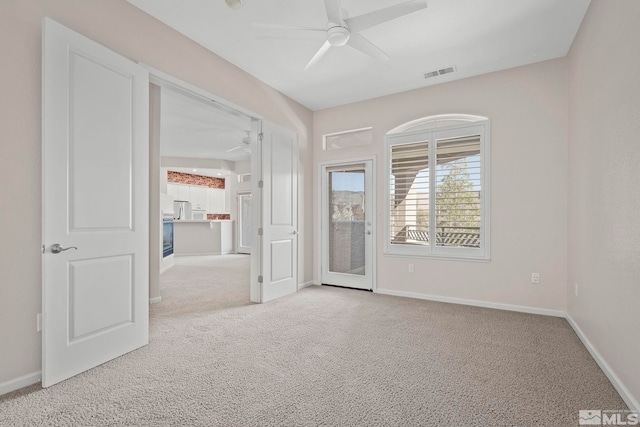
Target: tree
{"type": "Point", "coordinates": [457, 204]}
{"type": "Point", "coordinates": [422, 219]}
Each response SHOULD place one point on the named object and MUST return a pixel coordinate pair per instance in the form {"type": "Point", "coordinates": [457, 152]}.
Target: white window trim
{"type": "Point", "coordinates": [432, 251]}
{"type": "Point", "coordinates": [345, 132]}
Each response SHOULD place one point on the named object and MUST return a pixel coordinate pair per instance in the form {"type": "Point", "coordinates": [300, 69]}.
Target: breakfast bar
{"type": "Point", "coordinates": [203, 237]}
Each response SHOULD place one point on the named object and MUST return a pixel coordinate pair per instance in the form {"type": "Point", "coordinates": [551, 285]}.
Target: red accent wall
{"type": "Point", "coordinates": [218, 216]}
{"type": "Point", "coordinates": [187, 178]}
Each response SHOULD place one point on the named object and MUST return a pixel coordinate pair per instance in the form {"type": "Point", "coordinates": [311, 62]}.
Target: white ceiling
{"type": "Point", "coordinates": [476, 36]}
{"type": "Point", "coordinates": [195, 129]}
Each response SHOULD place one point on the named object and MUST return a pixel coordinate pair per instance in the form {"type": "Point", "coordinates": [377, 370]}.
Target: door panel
{"type": "Point", "coordinates": [281, 179]}
{"type": "Point", "coordinates": [100, 145]}
{"type": "Point", "coordinates": [95, 202]}
{"type": "Point", "coordinates": [100, 295]}
{"type": "Point", "coordinates": [279, 154]}
{"type": "Point", "coordinates": [281, 265]}
{"type": "Point", "coordinates": [347, 225]}
{"type": "Point", "coordinates": [244, 223]}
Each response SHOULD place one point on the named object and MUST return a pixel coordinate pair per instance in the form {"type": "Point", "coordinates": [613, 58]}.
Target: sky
{"type": "Point", "coordinates": [347, 181]}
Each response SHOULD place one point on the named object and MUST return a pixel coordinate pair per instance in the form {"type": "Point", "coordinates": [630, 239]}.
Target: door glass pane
{"type": "Point", "coordinates": [347, 222]}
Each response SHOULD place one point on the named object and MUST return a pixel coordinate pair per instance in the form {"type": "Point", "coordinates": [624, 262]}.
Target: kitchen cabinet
{"type": "Point", "coordinates": [198, 197]}
{"type": "Point", "coordinates": [178, 192]}
{"type": "Point", "coordinates": [202, 198]}
{"type": "Point", "coordinates": [172, 190]}
{"type": "Point", "coordinates": [216, 200]}
{"type": "Point", "coordinates": [183, 192]}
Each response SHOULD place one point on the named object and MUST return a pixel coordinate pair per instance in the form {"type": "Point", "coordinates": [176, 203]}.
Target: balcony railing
{"type": "Point", "coordinates": [467, 237]}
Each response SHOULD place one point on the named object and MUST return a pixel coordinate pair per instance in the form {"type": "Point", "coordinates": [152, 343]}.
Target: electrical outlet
{"type": "Point", "coordinates": [535, 278]}
{"type": "Point", "coordinates": [411, 268]}
{"type": "Point", "coordinates": [576, 287]}
{"type": "Point", "coordinates": [39, 322]}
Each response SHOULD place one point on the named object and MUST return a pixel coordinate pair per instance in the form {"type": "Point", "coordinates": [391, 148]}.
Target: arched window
{"type": "Point", "coordinates": [438, 186]}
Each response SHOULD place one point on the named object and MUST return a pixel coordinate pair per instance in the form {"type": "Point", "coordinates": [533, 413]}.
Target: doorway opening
{"type": "Point", "coordinates": [203, 168]}
{"type": "Point", "coordinates": [103, 238]}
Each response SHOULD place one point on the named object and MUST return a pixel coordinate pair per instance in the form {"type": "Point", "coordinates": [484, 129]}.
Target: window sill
{"type": "Point", "coordinates": [437, 257]}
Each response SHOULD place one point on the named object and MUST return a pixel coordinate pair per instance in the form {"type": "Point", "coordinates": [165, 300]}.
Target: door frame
{"type": "Point", "coordinates": [163, 79]}
{"type": "Point", "coordinates": [374, 227]}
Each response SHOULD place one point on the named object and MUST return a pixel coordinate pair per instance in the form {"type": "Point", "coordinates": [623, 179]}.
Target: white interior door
{"type": "Point", "coordinates": [95, 150]}
{"type": "Point", "coordinates": [278, 232]}
{"type": "Point", "coordinates": [347, 224]}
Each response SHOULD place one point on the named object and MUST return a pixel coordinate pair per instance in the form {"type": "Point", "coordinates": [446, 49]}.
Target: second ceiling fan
{"type": "Point", "coordinates": [341, 30]}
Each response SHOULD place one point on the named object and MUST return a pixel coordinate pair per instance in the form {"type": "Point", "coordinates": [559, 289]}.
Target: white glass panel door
{"type": "Point", "coordinates": [347, 225]}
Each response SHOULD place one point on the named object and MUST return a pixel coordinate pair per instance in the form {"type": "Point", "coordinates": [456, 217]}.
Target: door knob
{"type": "Point", "coordinates": [368, 231]}
{"type": "Point", "coordinates": [56, 248]}
{"type": "Point", "coordinates": [295, 232]}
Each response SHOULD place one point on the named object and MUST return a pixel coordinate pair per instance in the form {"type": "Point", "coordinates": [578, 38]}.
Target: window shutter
{"type": "Point", "coordinates": [458, 192]}
{"type": "Point", "coordinates": [409, 191]}
{"type": "Point", "coordinates": [438, 185]}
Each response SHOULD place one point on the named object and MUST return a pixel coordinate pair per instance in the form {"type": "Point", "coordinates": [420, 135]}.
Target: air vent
{"type": "Point", "coordinates": [436, 73]}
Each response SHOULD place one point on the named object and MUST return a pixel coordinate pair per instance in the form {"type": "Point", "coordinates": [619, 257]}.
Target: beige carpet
{"type": "Point", "coordinates": [325, 357]}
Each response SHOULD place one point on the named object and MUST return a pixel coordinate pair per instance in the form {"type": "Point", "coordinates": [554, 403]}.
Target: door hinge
{"type": "Point", "coordinates": [260, 136]}
{"type": "Point", "coordinates": [260, 279]}
{"type": "Point", "coordinates": [260, 231]}
{"type": "Point", "coordinates": [260, 184]}
{"type": "Point", "coordinates": [43, 249]}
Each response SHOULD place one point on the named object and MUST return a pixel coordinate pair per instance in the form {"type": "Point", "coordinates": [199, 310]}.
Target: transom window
{"type": "Point", "coordinates": [438, 186]}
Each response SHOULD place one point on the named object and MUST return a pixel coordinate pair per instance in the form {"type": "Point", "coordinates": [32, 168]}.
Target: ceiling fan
{"type": "Point", "coordinates": [342, 30]}
{"type": "Point", "coordinates": [234, 4]}
{"type": "Point", "coordinates": [244, 144]}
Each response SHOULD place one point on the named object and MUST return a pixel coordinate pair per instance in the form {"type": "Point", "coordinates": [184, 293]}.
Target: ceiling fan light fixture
{"type": "Point", "coordinates": [338, 36]}
{"type": "Point", "coordinates": [234, 4]}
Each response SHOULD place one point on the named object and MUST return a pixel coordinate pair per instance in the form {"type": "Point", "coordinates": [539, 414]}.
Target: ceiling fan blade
{"type": "Point", "coordinates": [371, 19]}
{"type": "Point", "coordinates": [334, 11]}
{"type": "Point", "coordinates": [234, 149]}
{"type": "Point", "coordinates": [319, 54]}
{"type": "Point", "coordinates": [358, 42]}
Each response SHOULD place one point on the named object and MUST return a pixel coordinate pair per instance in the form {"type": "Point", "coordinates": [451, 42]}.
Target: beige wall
{"type": "Point", "coordinates": [127, 30]}
{"type": "Point", "coordinates": [527, 109]}
{"type": "Point", "coordinates": [604, 185]}
{"type": "Point", "coordinates": [530, 169]}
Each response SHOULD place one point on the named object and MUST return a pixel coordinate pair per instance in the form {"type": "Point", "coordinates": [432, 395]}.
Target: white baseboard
{"type": "Point", "coordinates": [20, 382]}
{"type": "Point", "coordinates": [475, 303]}
{"type": "Point", "coordinates": [166, 263]}
{"type": "Point", "coordinates": [622, 390]}
{"type": "Point", "coordinates": [155, 300]}
{"type": "Point", "coordinates": [305, 284]}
